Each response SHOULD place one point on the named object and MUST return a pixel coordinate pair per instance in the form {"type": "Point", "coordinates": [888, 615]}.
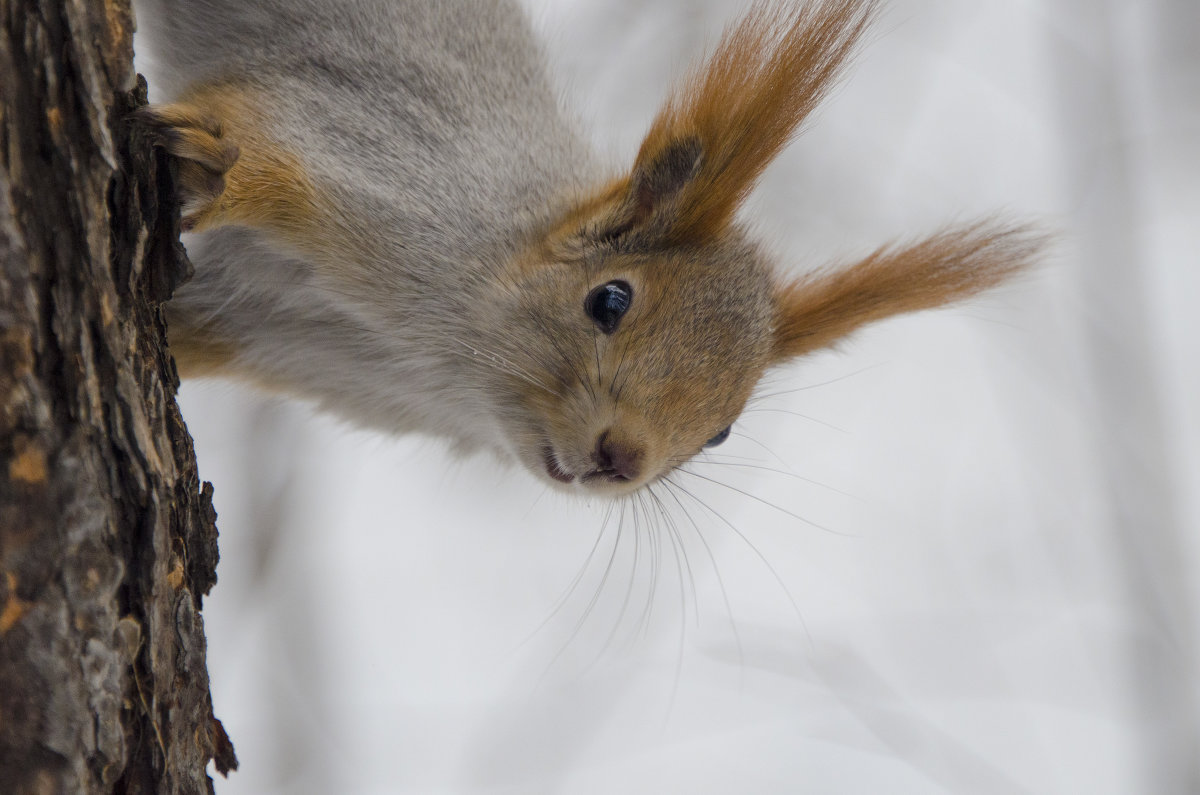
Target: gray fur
{"type": "Point", "coordinates": [435, 126]}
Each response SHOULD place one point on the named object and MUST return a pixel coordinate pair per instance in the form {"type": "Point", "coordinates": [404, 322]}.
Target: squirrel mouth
{"type": "Point", "coordinates": [552, 467]}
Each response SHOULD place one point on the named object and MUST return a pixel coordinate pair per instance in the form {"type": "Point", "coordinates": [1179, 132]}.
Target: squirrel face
{"type": "Point", "coordinates": [646, 357]}
{"type": "Point", "coordinates": [637, 325]}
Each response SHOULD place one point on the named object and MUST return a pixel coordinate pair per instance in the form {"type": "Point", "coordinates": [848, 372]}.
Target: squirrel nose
{"type": "Point", "coordinates": [616, 460]}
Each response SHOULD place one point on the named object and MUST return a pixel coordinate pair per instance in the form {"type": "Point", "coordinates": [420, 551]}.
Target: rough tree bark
{"type": "Point", "coordinates": [107, 542]}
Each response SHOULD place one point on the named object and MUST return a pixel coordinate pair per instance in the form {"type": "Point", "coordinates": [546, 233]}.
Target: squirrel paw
{"type": "Point", "coordinates": [205, 156]}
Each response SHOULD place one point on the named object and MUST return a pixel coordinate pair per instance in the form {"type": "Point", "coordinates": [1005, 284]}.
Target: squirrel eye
{"type": "Point", "coordinates": [720, 437]}
{"type": "Point", "coordinates": [608, 303]}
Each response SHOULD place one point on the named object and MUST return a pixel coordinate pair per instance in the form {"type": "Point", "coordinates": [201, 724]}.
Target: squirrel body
{"type": "Point", "coordinates": [394, 217]}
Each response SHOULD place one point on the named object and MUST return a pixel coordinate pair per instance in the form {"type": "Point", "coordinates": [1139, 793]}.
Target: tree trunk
{"type": "Point", "coordinates": [107, 542]}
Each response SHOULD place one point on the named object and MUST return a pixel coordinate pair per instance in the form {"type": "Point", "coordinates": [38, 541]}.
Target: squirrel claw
{"type": "Point", "coordinates": [205, 156]}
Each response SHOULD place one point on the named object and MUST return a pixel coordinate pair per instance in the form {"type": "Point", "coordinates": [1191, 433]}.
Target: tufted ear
{"type": "Point", "coordinates": [817, 310]}
{"type": "Point", "coordinates": [728, 120]}
{"type": "Point", "coordinates": [639, 209]}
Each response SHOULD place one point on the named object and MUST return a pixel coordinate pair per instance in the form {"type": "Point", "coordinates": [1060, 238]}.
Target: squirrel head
{"type": "Point", "coordinates": [636, 327]}
{"type": "Point", "coordinates": [639, 357]}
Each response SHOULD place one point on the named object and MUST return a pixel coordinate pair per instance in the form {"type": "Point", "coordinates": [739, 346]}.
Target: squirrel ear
{"type": "Point", "coordinates": [664, 177]}
{"type": "Point", "coordinates": [647, 202]}
{"type": "Point", "coordinates": [718, 131]}
{"type": "Point", "coordinates": [818, 310]}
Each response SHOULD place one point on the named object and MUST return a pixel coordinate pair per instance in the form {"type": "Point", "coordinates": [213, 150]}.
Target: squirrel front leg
{"type": "Point", "coordinates": [232, 170]}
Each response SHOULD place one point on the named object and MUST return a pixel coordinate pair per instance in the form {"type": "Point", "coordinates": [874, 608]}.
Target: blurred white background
{"type": "Point", "coordinates": [958, 555]}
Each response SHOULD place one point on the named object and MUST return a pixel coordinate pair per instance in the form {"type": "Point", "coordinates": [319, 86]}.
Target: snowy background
{"type": "Point", "coordinates": [958, 555]}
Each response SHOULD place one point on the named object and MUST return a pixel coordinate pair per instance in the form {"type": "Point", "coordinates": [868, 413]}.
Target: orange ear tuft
{"type": "Point", "coordinates": [741, 108]}
{"type": "Point", "coordinates": [816, 311]}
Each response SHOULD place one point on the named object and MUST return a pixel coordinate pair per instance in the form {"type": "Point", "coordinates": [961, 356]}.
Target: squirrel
{"type": "Point", "coordinates": [393, 216]}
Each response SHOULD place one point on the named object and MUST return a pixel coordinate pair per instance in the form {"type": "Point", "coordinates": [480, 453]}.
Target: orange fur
{"type": "Point", "coordinates": [232, 170]}
{"type": "Point", "coordinates": [817, 310]}
{"type": "Point", "coordinates": [200, 353]}
{"type": "Point", "coordinates": [748, 100]}
{"type": "Point", "coordinates": [197, 353]}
